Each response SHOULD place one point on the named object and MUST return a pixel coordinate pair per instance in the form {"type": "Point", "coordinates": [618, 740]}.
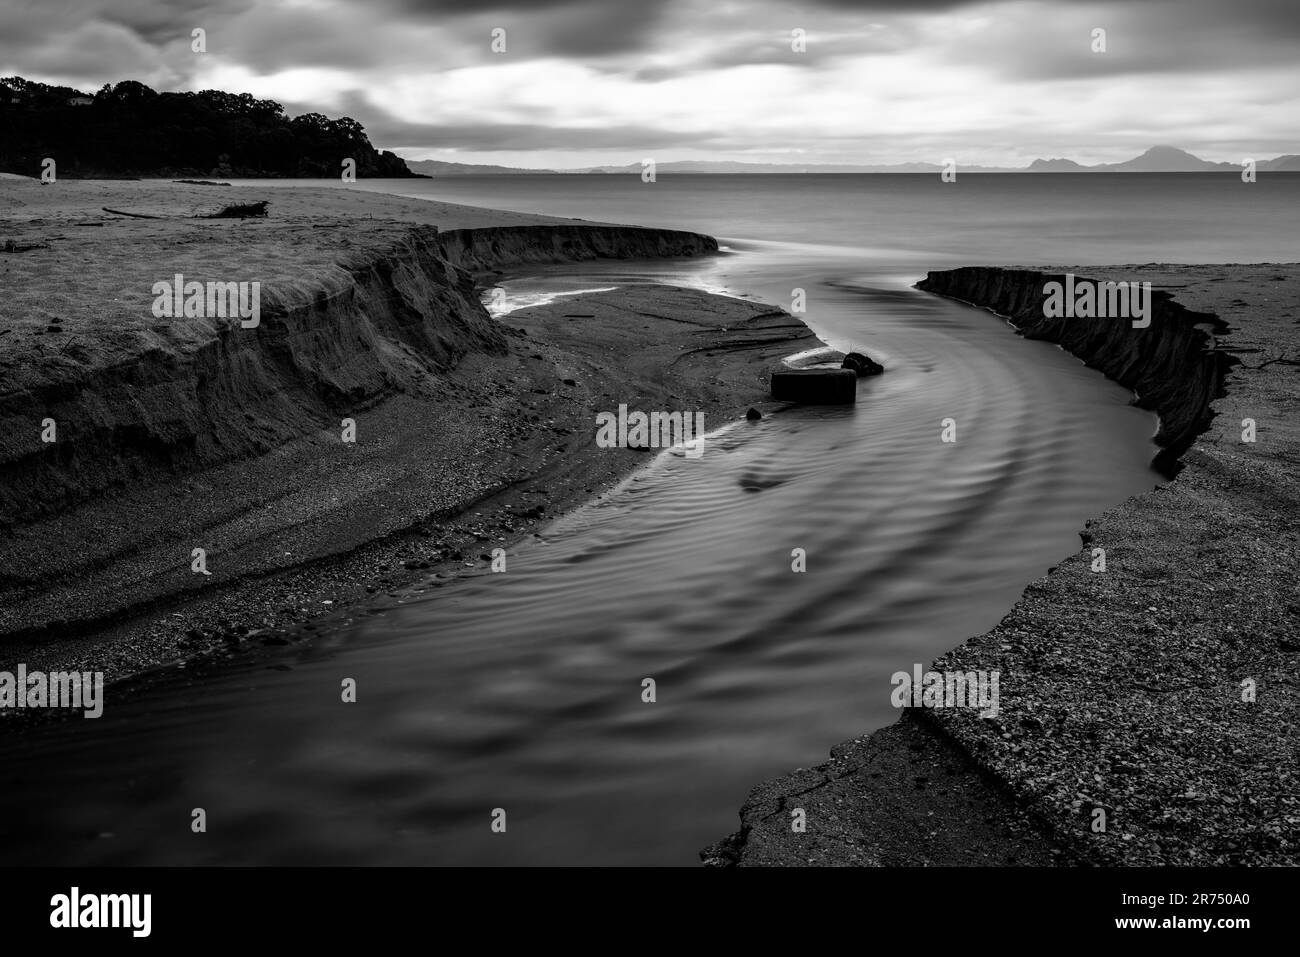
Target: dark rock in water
{"type": "Point", "coordinates": [817, 386]}
{"type": "Point", "coordinates": [753, 414]}
{"type": "Point", "coordinates": [862, 365]}
{"type": "Point", "coordinates": [753, 482]}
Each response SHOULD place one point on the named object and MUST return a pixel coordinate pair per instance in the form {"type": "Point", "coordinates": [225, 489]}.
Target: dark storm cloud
{"type": "Point", "coordinates": [466, 7]}
{"type": "Point", "coordinates": [822, 49]}
{"type": "Point", "coordinates": [1163, 37]}
{"type": "Point", "coordinates": [548, 27]}
{"type": "Point", "coordinates": [154, 21]}
{"type": "Point", "coordinates": [597, 29]}
{"type": "Point", "coordinates": [1269, 15]}
{"type": "Point", "coordinates": [868, 7]}
{"type": "Point", "coordinates": [161, 22]}
{"type": "Point", "coordinates": [102, 39]}
{"type": "Point", "coordinates": [281, 42]}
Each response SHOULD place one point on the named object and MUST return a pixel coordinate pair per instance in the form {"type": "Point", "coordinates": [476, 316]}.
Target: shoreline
{"type": "Point", "coordinates": [423, 505]}
{"type": "Point", "coordinates": [1123, 693]}
{"type": "Point", "coordinates": [473, 449]}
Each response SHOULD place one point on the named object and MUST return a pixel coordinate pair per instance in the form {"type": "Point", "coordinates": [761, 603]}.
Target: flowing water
{"type": "Point", "coordinates": [523, 691]}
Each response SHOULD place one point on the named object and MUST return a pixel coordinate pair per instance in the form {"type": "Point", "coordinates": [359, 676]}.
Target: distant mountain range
{"type": "Point", "coordinates": [439, 168]}
{"type": "Point", "coordinates": [1164, 159]}
{"type": "Point", "coordinates": [1158, 159]}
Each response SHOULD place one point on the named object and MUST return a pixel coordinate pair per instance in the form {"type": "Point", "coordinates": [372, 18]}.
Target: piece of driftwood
{"type": "Point", "coordinates": [240, 211]}
{"type": "Point", "coordinates": [235, 211]}
{"type": "Point", "coordinates": [120, 212]}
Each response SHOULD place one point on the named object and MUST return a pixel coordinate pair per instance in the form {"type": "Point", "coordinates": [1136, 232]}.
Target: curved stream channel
{"type": "Point", "coordinates": [522, 691]}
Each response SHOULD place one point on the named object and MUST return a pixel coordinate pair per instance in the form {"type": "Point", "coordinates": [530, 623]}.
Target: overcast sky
{"type": "Point", "coordinates": [585, 82]}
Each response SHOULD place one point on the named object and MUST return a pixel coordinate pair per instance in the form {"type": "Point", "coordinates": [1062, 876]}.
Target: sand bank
{"type": "Point", "coordinates": [1160, 692]}
{"type": "Point", "coordinates": [183, 433]}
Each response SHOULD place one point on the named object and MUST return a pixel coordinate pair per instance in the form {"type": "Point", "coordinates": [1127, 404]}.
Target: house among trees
{"type": "Point", "coordinates": [80, 101]}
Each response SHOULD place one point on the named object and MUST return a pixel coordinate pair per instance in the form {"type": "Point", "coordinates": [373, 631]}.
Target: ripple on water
{"type": "Point", "coordinates": [524, 690]}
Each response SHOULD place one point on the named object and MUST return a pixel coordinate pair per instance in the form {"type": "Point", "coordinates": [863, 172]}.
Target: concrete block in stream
{"type": "Point", "coordinates": [816, 386]}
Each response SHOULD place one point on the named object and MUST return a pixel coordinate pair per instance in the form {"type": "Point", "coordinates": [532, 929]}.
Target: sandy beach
{"type": "Point", "coordinates": [471, 432]}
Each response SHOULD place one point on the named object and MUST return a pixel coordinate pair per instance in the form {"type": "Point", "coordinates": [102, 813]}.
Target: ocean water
{"type": "Point", "coordinates": [523, 691]}
{"type": "Point", "coordinates": [919, 222]}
